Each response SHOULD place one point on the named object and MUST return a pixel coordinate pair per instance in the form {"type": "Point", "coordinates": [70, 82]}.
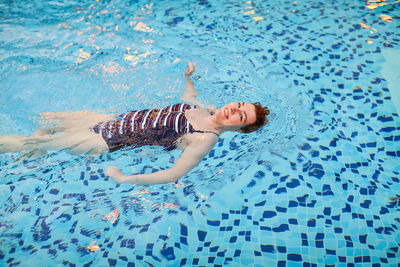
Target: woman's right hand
{"type": "Point", "coordinates": [115, 174]}
{"type": "Point", "coordinates": [190, 69]}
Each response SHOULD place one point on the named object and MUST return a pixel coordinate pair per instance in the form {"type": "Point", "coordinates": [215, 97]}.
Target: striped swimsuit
{"type": "Point", "coordinates": [157, 127]}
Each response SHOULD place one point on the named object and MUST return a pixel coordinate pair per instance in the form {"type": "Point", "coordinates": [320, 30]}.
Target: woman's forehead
{"type": "Point", "coordinates": [250, 110]}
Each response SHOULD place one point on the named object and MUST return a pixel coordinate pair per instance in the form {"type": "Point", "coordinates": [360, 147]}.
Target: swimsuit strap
{"type": "Point", "coordinates": [198, 131]}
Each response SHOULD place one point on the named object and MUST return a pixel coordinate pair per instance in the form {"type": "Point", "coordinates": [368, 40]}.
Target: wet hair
{"type": "Point", "coordinates": [261, 119]}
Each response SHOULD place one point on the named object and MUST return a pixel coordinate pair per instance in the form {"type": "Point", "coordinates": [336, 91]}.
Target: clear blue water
{"type": "Point", "coordinates": [318, 186]}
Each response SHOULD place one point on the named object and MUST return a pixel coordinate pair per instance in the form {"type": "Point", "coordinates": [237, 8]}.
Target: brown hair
{"type": "Point", "coordinates": [261, 119]}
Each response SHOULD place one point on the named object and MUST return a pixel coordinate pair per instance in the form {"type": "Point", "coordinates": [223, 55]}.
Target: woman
{"type": "Point", "coordinates": [194, 129]}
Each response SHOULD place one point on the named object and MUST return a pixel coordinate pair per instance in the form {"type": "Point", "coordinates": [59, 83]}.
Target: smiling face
{"type": "Point", "coordinates": [236, 115]}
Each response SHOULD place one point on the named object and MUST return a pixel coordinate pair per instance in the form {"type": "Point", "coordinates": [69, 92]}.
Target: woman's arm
{"type": "Point", "coordinates": [190, 94]}
{"type": "Point", "coordinates": [190, 158]}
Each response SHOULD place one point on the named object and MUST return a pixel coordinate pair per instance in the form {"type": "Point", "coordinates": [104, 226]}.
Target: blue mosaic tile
{"type": "Point", "coordinates": [317, 187]}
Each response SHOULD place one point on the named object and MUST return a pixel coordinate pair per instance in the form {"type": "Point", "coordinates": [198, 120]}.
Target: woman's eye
{"type": "Point", "coordinates": [239, 105]}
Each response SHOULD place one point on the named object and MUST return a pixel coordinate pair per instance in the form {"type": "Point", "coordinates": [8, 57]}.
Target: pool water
{"type": "Point", "coordinates": [318, 186]}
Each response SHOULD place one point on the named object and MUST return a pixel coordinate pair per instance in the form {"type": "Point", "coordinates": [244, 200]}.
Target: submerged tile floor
{"type": "Point", "coordinates": [319, 186]}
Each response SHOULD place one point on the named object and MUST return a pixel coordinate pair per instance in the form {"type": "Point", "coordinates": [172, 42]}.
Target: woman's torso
{"type": "Point", "coordinates": [160, 127]}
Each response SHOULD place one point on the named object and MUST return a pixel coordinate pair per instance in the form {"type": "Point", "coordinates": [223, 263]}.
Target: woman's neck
{"type": "Point", "coordinates": [213, 124]}
{"type": "Point", "coordinates": [202, 120]}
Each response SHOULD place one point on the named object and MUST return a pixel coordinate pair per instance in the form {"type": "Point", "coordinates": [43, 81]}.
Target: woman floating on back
{"type": "Point", "coordinates": [190, 127]}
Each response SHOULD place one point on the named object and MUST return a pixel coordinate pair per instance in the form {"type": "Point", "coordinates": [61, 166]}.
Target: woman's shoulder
{"type": "Point", "coordinates": [201, 138]}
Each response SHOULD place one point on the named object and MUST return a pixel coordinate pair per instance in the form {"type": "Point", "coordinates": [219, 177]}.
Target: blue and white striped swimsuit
{"type": "Point", "coordinates": [158, 127]}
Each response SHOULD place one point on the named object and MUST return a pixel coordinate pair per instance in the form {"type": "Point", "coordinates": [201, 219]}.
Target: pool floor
{"type": "Point", "coordinates": [318, 186]}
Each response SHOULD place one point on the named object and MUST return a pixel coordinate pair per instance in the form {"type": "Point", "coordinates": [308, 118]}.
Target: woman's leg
{"type": "Point", "coordinates": [63, 121]}
{"type": "Point", "coordinates": [62, 131]}
{"type": "Point", "coordinates": [12, 143]}
{"type": "Point", "coordinates": [91, 143]}
{"type": "Point", "coordinates": [77, 142]}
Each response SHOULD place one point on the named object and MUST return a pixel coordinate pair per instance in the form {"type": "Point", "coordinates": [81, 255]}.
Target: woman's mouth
{"type": "Point", "coordinates": [226, 113]}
